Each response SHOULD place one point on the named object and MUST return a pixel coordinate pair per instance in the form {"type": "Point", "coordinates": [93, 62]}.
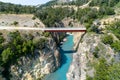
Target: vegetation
{"type": "Point", "coordinates": [95, 53]}
{"type": "Point", "coordinates": [16, 47]}
{"type": "Point", "coordinates": [15, 23]}
{"type": "Point", "coordinates": [116, 46]}
{"type": "Point", "coordinates": [40, 44]}
{"type": "Point", "coordinates": [109, 3]}
{"type": "Point", "coordinates": [106, 71]}
{"type": "Point", "coordinates": [33, 18]}
{"type": "Point", "coordinates": [107, 39]}
{"type": "Point", "coordinates": [115, 29]}
{"type": "Point", "coordinates": [46, 34]}
{"type": "Point", "coordinates": [50, 16]}
{"type": "Point", "coordinates": [105, 10]}
{"type": "Point", "coordinates": [17, 9]}
{"type": "Point", "coordinates": [1, 39]}
{"type": "Point", "coordinates": [117, 5]}
{"type": "Point", "coordinates": [87, 15]}
{"type": "Point", "coordinates": [0, 33]}
{"type": "Point", "coordinates": [94, 28]}
{"type": "Point", "coordinates": [48, 4]}
{"type": "Point", "coordinates": [76, 2]}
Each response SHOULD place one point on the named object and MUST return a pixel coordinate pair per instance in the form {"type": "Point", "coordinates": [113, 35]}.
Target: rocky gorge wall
{"type": "Point", "coordinates": [42, 62]}
{"type": "Point", "coordinates": [74, 70]}
{"type": "Point", "coordinates": [84, 59]}
{"type": "Point", "coordinates": [35, 66]}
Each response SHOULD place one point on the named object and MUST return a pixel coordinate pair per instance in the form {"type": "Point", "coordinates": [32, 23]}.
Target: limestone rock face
{"type": "Point", "coordinates": [84, 58]}
{"type": "Point", "coordinates": [32, 67]}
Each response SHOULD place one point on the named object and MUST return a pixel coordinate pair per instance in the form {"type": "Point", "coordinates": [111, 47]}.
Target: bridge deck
{"type": "Point", "coordinates": [65, 29]}
{"type": "Point", "coordinates": [45, 29]}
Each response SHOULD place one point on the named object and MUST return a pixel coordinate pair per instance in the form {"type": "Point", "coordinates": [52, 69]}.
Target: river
{"type": "Point", "coordinates": [66, 51]}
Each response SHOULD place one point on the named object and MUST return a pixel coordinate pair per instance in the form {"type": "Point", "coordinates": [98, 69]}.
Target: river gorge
{"type": "Point", "coordinates": [66, 51]}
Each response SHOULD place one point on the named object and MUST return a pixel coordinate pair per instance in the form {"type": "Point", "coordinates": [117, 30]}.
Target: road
{"type": "Point", "coordinates": [41, 29]}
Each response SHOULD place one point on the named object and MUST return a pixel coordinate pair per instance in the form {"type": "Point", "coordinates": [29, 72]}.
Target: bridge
{"type": "Point", "coordinates": [65, 29]}
{"type": "Point", "coordinates": [82, 29]}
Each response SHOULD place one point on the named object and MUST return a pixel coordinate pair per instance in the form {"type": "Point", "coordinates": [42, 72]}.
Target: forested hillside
{"type": "Point", "coordinates": [100, 45]}
{"type": "Point", "coordinates": [109, 3]}
{"type": "Point", "coordinates": [17, 9]}
{"type": "Point", "coordinates": [50, 15]}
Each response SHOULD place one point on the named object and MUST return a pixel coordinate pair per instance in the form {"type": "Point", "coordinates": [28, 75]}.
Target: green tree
{"type": "Point", "coordinates": [7, 55]}
{"type": "Point", "coordinates": [15, 23]}
{"type": "Point", "coordinates": [95, 53]}
{"type": "Point", "coordinates": [1, 39]}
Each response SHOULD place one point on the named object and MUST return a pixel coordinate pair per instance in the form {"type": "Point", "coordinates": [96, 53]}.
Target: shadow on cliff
{"type": "Point", "coordinates": [63, 57]}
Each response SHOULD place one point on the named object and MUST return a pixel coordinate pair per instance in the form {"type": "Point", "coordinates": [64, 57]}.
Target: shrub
{"type": "Point", "coordinates": [95, 53]}
{"type": "Point", "coordinates": [40, 44]}
{"type": "Point", "coordinates": [33, 18]}
{"type": "Point", "coordinates": [1, 39]}
{"type": "Point", "coordinates": [116, 46]}
{"type": "Point", "coordinates": [15, 23]}
{"type": "Point", "coordinates": [107, 39]}
{"type": "Point", "coordinates": [0, 33]}
{"type": "Point", "coordinates": [106, 71]}
{"type": "Point", "coordinates": [46, 34]}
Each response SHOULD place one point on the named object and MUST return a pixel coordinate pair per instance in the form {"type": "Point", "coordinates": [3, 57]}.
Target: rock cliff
{"type": "Point", "coordinates": [85, 59]}
{"type": "Point", "coordinates": [34, 66]}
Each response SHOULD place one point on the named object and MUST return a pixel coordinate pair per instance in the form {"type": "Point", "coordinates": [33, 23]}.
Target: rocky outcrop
{"type": "Point", "coordinates": [77, 38]}
{"type": "Point", "coordinates": [84, 58]}
{"type": "Point", "coordinates": [32, 67]}
{"type": "Point", "coordinates": [43, 61]}
{"type": "Point", "coordinates": [74, 70]}
{"type": "Point", "coordinates": [58, 36]}
{"type": "Point", "coordinates": [37, 64]}
{"type": "Point", "coordinates": [69, 22]}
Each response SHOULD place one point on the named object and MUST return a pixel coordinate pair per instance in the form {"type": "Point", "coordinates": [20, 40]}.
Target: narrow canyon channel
{"type": "Point", "coordinates": [66, 51]}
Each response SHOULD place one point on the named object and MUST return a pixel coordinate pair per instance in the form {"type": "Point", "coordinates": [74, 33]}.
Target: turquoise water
{"type": "Point", "coordinates": [66, 50]}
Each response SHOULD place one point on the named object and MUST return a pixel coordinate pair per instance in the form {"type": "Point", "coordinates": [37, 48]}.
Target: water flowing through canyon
{"type": "Point", "coordinates": [66, 51]}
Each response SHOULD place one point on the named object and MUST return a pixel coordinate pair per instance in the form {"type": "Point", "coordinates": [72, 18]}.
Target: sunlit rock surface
{"type": "Point", "coordinates": [32, 67]}
{"type": "Point", "coordinates": [83, 59]}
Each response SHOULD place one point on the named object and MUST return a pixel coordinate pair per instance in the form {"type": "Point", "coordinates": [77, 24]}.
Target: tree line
{"type": "Point", "coordinates": [50, 16]}
{"type": "Point", "coordinates": [16, 9]}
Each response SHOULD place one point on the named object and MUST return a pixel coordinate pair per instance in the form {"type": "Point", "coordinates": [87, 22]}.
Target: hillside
{"type": "Point", "coordinates": [30, 55]}
{"type": "Point", "coordinates": [26, 55]}
{"type": "Point", "coordinates": [98, 53]}
{"type": "Point", "coordinates": [15, 9]}
{"type": "Point", "coordinates": [22, 20]}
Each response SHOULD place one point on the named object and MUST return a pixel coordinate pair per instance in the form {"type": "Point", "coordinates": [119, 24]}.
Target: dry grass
{"type": "Point", "coordinates": [24, 20]}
